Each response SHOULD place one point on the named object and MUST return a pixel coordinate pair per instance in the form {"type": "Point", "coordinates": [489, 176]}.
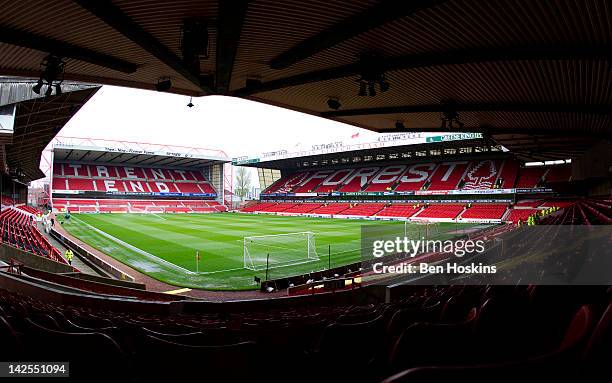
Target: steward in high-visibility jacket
{"type": "Point", "coordinates": [69, 256]}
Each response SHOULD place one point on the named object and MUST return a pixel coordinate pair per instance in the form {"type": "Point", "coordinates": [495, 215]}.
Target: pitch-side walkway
{"type": "Point", "coordinates": [76, 262]}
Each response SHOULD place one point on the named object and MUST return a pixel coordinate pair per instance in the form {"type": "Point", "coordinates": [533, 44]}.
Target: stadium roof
{"type": "Point", "coordinates": [420, 147]}
{"type": "Point", "coordinates": [533, 74]}
{"type": "Point", "coordinates": [129, 156]}
{"type": "Point", "coordinates": [31, 121]}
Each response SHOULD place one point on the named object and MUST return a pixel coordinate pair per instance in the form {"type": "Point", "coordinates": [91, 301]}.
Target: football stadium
{"type": "Point", "coordinates": [462, 231]}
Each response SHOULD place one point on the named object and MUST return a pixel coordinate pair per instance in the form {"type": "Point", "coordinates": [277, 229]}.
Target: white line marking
{"type": "Point", "coordinates": [135, 249]}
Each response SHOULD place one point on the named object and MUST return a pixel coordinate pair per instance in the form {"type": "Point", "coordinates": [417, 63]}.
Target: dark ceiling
{"type": "Point", "coordinates": [533, 75]}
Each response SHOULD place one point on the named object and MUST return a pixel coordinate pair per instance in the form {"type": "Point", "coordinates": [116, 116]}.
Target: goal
{"type": "Point", "coordinates": [279, 250]}
{"type": "Point", "coordinates": [147, 210]}
{"type": "Point", "coordinates": [420, 230]}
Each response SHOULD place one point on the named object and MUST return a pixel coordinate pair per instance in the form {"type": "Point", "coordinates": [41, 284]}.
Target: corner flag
{"type": "Point", "coordinates": [197, 261]}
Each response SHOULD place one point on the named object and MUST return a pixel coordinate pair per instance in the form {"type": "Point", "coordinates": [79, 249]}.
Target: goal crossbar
{"type": "Point", "coordinates": [279, 250]}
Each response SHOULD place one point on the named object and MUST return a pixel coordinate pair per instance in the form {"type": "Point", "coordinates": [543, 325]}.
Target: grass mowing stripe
{"type": "Point", "coordinates": [218, 238]}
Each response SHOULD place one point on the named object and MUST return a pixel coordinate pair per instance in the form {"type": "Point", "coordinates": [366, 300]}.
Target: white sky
{"type": "Point", "coordinates": [237, 126]}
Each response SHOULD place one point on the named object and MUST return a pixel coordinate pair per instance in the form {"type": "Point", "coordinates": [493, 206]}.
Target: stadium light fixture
{"type": "Point", "coordinates": [450, 116]}
{"type": "Point", "coordinates": [190, 104]}
{"type": "Point", "coordinates": [333, 103]}
{"type": "Point", "coordinates": [52, 74]}
{"type": "Point", "coordinates": [363, 89]}
{"type": "Point", "coordinates": [36, 88]}
{"type": "Point", "coordinates": [384, 85]}
{"type": "Point", "coordinates": [371, 74]}
{"type": "Point", "coordinates": [372, 89]}
{"type": "Point", "coordinates": [163, 84]}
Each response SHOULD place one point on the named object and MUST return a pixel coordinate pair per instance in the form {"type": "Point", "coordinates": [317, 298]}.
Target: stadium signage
{"type": "Point", "coordinates": [534, 190]}
{"type": "Point", "coordinates": [244, 161]}
{"type": "Point", "coordinates": [130, 151]}
{"type": "Point", "coordinates": [276, 153]}
{"type": "Point", "coordinates": [388, 140]}
{"type": "Point", "coordinates": [400, 137]}
{"type": "Point", "coordinates": [331, 145]}
{"type": "Point", "coordinates": [454, 137]}
{"type": "Point", "coordinates": [182, 155]}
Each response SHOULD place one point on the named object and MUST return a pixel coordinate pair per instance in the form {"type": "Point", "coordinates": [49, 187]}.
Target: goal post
{"type": "Point", "coordinates": [147, 210]}
{"type": "Point", "coordinates": [279, 250]}
{"type": "Point", "coordinates": [419, 230]}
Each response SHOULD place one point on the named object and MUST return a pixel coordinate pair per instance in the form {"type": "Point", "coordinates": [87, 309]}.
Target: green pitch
{"type": "Point", "coordinates": [164, 246]}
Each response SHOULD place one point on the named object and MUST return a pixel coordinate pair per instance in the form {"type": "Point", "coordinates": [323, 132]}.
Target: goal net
{"type": "Point", "coordinates": [421, 230]}
{"type": "Point", "coordinates": [146, 209]}
{"type": "Point", "coordinates": [279, 250]}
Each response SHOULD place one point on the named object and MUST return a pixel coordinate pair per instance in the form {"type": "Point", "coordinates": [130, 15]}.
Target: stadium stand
{"type": "Point", "coordinates": [137, 205]}
{"type": "Point", "coordinates": [584, 212]}
{"type": "Point", "coordinates": [303, 208]}
{"type": "Point", "coordinates": [561, 173]}
{"type": "Point", "coordinates": [529, 203]}
{"type": "Point", "coordinates": [447, 176]}
{"type": "Point", "coordinates": [385, 179]}
{"type": "Point", "coordinates": [258, 207]}
{"type": "Point", "coordinates": [453, 175]}
{"type": "Point", "coordinates": [484, 211]}
{"type": "Point", "coordinates": [482, 175]}
{"type": "Point", "coordinates": [445, 211]}
{"type": "Point", "coordinates": [508, 174]}
{"type": "Point", "coordinates": [415, 177]}
{"type": "Point", "coordinates": [106, 178]}
{"type": "Point", "coordinates": [401, 210]}
{"type": "Point", "coordinates": [331, 208]}
{"type": "Point", "coordinates": [29, 209]}
{"type": "Point", "coordinates": [441, 326]}
{"type": "Point", "coordinates": [19, 230]}
{"type": "Point", "coordinates": [530, 177]}
{"type": "Point", "coordinates": [359, 179]}
{"type": "Point", "coordinates": [363, 209]}
{"type": "Point", "coordinates": [520, 214]}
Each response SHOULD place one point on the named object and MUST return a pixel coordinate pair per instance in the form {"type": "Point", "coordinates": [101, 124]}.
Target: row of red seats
{"type": "Point", "coordinates": [107, 185]}
{"type": "Point", "coordinates": [124, 205]}
{"type": "Point", "coordinates": [441, 211]}
{"type": "Point", "coordinates": [466, 175]}
{"type": "Point", "coordinates": [128, 173]}
{"type": "Point", "coordinates": [477, 333]}
{"type": "Point", "coordinates": [18, 229]}
{"type": "Point", "coordinates": [406, 210]}
{"type": "Point", "coordinates": [364, 209]}
{"type": "Point", "coordinates": [7, 201]}
{"type": "Point", "coordinates": [594, 211]}
{"type": "Point", "coordinates": [485, 211]}
{"type": "Point", "coordinates": [29, 209]}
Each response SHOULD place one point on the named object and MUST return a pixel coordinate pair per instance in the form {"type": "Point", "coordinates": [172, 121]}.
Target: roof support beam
{"type": "Point", "coordinates": [383, 13]}
{"type": "Point", "coordinates": [428, 60]}
{"type": "Point", "coordinates": [229, 27]}
{"type": "Point", "coordinates": [114, 17]}
{"type": "Point", "coordinates": [480, 107]}
{"type": "Point", "coordinates": [63, 49]}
